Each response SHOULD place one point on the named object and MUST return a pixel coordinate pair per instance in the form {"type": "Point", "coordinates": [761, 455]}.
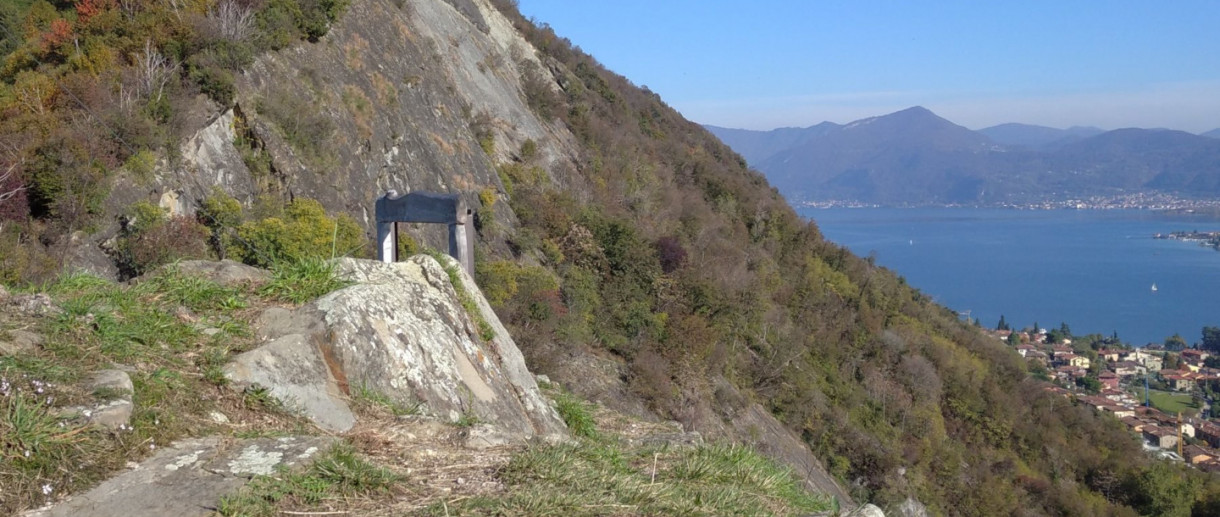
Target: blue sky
{"type": "Point", "coordinates": [763, 64]}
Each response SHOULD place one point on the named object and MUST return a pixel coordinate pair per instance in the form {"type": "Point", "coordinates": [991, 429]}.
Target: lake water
{"type": "Point", "coordinates": [1091, 269]}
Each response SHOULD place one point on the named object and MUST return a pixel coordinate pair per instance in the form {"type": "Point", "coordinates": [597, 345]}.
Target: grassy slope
{"type": "Point", "coordinates": [666, 254]}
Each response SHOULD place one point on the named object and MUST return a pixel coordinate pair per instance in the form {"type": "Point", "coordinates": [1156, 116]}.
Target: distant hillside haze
{"type": "Point", "coordinates": [1037, 137]}
{"type": "Point", "coordinates": [914, 157]}
{"type": "Point", "coordinates": [1215, 133]}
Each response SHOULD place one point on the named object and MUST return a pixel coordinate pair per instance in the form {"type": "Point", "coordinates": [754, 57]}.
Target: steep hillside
{"type": "Point", "coordinates": [635, 258]}
{"type": "Point", "coordinates": [756, 146]}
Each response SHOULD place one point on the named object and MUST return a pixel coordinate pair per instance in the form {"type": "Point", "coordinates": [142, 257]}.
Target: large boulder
{"type": "Point", "coordinates": [401, 330]}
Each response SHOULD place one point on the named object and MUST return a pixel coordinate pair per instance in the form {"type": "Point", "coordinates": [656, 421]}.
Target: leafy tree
{"type": "Point", "coordinates": [1175, 343]}
{"type": "Point", "coordinates": [1089, 383]}
{"type": "Point", "coordinates": [1161, 489]}
{"type": "Point", "coordinates": [1211, 339]}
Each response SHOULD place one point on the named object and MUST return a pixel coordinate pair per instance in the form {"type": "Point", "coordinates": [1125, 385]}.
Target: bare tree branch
{"type": "Point", "coordinates": [231, 20]}
{"type": "Point", "coordinates": [7, 193]}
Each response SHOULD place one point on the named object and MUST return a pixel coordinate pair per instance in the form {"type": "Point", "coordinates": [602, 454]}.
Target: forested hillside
{"type": "Point", "coordinates": [635, 257]}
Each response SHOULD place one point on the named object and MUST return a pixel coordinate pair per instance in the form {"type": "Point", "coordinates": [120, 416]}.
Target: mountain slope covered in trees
{"type": "Point", "coordinates": [635, 257]}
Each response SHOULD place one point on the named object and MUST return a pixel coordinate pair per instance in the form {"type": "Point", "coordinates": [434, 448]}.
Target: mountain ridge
{"type": "Point", "coordinates": [915, 157]}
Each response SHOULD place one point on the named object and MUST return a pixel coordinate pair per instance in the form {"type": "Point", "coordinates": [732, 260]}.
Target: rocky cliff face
{"type": "Point", "coordinates": [419, 97]}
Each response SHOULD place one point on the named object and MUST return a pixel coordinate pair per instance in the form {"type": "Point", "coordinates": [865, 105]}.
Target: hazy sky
{"type": "Point", "coordinates": [761, 64]}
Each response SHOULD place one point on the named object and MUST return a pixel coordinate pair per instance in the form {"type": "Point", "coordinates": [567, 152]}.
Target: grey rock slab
{"type": "Point", "coordinates": [294, 371]}
{"type": "Point", "coordinates": [277, 322]}
{"type": "Point", "coordinates": [187, 478]}
{"type": "Point", "coordinates": [39, 304]}
{"type": "Point", "coordinates": [19, 341]}
{"type": "Point", "coordinates": [228, 273]}
{"type": "Point", "coordinates": [116, 412]}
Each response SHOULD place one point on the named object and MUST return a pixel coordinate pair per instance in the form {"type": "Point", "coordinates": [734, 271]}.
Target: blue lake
{"type": "Point", "coordinates": [1093, 270]}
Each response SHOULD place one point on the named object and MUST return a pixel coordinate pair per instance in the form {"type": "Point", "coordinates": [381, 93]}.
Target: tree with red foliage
{"type": "Point", "coordinates": [86, 9]}
{"type": "Point", "coordinates": [60, 33]}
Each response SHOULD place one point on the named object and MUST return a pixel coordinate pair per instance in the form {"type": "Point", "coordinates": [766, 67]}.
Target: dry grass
{"type": "Point", "coordinates": [170, 333]}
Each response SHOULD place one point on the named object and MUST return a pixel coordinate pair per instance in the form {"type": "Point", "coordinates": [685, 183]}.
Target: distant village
{"type": "Point", "coordinates": [1111, 378]}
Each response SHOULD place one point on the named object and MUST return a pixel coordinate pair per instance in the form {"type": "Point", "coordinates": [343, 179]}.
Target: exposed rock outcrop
{"type": "Point", "coordinates": [228, 273]}
{"type": "Point", "coordinates": [401, 331]}
{"type": "Point", "coordinates": [187, 478]}
{"type": "Point", "coordinates": [17, 341]}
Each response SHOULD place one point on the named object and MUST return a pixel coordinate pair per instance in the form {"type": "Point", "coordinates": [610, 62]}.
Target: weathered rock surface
{"type": "Point", "coordinates": [115, 411]}
{"type": "Point", "coordinates": [33, 305]}
{"type": "Point", "coordinates": [188, 478]}
{"type": "Point", "coordinates": [17, 341]}
{"type": "Point", "coordinates": [228, 273]}
{"type": "Point", "coordinates": [910, 508]}
{"type": "Point", "coordinates": [868, 510]}
{"type": "Point", "coordinates": [402, 331]}
{"type": "Point", "coordinates": [295, 371]}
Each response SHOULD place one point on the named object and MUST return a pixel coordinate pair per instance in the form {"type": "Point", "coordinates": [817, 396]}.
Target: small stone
{"type": "Point", "coordinates": [114, 413]}
{"type": "Point", "coordinates": [218, 417]}
{"type": "Point", "coordinates": [210, 331]}
{"type": "Point", "coordinates": [460, 481]}
{"type": "Point", "coordinates": [35, 305]}
{"type": "Point", "coordinates": [185, 315]}
{"type": "Point", "coordinates": [542, 380]}
{"type": "Point", "coordinates": [20, 341]}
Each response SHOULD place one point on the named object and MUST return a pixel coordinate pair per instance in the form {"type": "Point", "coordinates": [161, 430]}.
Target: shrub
{"type": "Point", "coordinates": [150, 239]}
{"type": "Point", "coordinates": [304, 231]}
{"type": "Point", "coordinates": [306, 129]}
{"type": "Point", "coordinates": [529, 149]}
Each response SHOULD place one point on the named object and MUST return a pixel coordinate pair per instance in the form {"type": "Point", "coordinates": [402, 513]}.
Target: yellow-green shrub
{"type": "Point", "coordinates": [304, 231]}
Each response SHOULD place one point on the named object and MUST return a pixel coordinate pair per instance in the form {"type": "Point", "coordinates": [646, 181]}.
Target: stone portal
{"type": "Point", "coordinates": [425, 207]}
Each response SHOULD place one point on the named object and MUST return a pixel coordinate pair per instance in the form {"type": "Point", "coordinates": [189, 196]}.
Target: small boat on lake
{"type": "Point", "coordinates": [1154, 287]}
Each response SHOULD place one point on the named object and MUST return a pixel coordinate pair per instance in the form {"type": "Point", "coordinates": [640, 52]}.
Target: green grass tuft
{"type": "Point", "coordinates": [577, 414]}
{"type": "Point", "coordinates": [370, 399]}
{"type": "Point", "coordinates": [336, 474]}
{"type": "Point", "coordinates": [299, 281]}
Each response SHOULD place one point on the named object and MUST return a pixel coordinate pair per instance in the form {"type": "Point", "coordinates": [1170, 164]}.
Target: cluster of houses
{"type": "Point", "coordinates": [1117, 367]}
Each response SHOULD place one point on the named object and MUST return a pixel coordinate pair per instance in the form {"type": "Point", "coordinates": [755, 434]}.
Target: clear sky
{"type": "Point", "coordinates": [761, 64]}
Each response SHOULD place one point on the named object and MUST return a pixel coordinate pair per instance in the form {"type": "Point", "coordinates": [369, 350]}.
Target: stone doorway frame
{"type": "Point", "coordinates": [425, 207]}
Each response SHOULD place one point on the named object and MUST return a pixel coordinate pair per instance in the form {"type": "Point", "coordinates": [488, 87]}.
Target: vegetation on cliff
{"type": "Point", "coordinates": [662, 252]}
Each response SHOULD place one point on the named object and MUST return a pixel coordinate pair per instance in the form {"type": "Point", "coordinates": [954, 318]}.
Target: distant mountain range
{"type": "Point", "coordinates": [914, 157]}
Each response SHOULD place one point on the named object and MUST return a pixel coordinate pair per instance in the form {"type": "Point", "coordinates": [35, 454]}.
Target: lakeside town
{"type": "Point", "coordinates": [1129, 201]}
{"type": "Point", "coordinates": [1163, 393]}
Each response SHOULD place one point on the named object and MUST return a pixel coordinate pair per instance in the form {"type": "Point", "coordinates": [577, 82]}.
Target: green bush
{"type": "Point", "coordinates": [151, 238]}
{"type": "Point", "coordinates": [304, 231]}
